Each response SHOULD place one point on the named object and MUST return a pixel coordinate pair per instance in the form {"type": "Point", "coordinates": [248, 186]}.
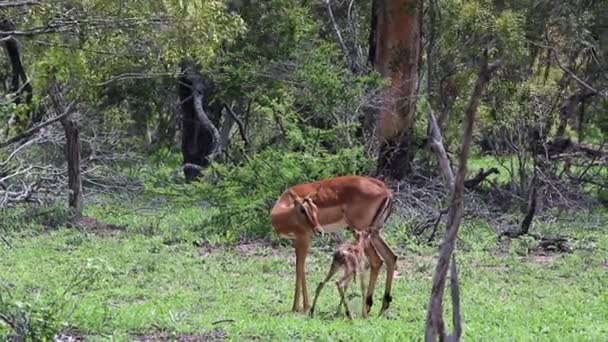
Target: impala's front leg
{"type": "Point", "coordinates": [301, 245]}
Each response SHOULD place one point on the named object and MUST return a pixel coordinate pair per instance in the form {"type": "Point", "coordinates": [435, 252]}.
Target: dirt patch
{"type": "Point", "coordinates": [542, 258]}
{"type": "Point", "coordinates": [70, 335]}
{"type": "Point", "coordinates": [213, 335]}
{"type": "Point", "coordinates": [415, 264]}
{"type": "Point", "coordinates": [259, 249]}
{"type": "Point", "coordinates": [91, 224]}
{"type": "Point", "coordinates": [249, 248]}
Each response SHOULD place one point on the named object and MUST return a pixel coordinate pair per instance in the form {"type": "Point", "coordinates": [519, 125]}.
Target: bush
{"type": "Point", "coordinates": [242, 196]}
{"type": "Point", "coordinates": [30, 216]}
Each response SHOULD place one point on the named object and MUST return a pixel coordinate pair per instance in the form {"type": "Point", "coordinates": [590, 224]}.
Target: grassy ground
{"type": "Point", "coordinates": [152, 279]}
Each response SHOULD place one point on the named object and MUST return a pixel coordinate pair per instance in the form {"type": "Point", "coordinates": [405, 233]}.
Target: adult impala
{"type": "Point", "coordinates": [327, 206]}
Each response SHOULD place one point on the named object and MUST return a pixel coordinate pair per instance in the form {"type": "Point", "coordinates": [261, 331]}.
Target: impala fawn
{"type": "Point", "coordinates": [351, 257]}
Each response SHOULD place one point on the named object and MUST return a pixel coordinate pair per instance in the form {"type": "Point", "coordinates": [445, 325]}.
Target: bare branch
{"type": "Point", "coordinates": [436, 143]}
{"type": "Point", "coordinates": [68, 111]}
{"type": "Point", "coordinates": [18, 3]}
{"type": "Point", "coordinates": [134, 76]}
{"type": "Point", "coordinates": [435, 326]}
{"type": "Point", "coordinates": [239, 123]}
{"type": "Point", "coordinates": [339, 35]}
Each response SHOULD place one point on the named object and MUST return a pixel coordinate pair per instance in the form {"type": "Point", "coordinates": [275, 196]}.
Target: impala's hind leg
{"type": "Point", "coordinates": [375, 263]}
{"type": "Point", "coordinates": [390, 258]}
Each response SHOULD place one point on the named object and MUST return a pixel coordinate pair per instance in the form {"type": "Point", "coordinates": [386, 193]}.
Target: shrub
{"type": "Point", "coordinates": [242, 196]}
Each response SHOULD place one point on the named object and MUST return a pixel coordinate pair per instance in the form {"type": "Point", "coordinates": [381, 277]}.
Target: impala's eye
{"type": "Point", "coordinates": [302, 210]}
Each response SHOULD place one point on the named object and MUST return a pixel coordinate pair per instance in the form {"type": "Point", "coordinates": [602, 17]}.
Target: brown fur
{"type": "Point", "coordinates": [350, 257]}
{"type": "Point", "coordinates": [354, 201]}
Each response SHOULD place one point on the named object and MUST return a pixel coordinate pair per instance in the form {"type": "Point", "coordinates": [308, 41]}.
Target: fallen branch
{"type": "Point", "coordinates": [480, 177]}
{"type": "Point", "coordinates": [527, 221]}
{"type": "Point", "coordinates": [18, 3]}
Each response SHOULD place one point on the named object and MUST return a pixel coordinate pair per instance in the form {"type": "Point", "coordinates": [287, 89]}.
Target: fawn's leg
{"type": "Point", "coordinates": [332, 270]}
{"type": "Point", "coordinates": [342, 285]}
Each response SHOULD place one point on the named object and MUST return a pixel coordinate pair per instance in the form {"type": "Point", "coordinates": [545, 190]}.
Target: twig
{"type": "Point", "coordinates": [436, 143]}
{"type": "Point", "coordinates": [566, 70]}
{"type": "Point", "coordinates": [135, 76]}
{"type": "Point", "coordinates": [339, 35]}
{"type": "Point", "coordinates": [223, 321]}
{"type": "Point", "coordinates": [18, 3]}
{"type": "Point", "coordinates": [239, 123]}
{"type": "Point", "coordinates": [33, 130]}
{"type": "Point", "coordinates": [6, 242]}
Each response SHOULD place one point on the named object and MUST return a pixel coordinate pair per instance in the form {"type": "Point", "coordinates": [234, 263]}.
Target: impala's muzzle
{"type": "Point", "coordinates": [318, 230]}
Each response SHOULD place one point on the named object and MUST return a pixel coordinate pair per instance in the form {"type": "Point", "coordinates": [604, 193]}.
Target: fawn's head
{"type": "Point", "coordinates": [363, 237]}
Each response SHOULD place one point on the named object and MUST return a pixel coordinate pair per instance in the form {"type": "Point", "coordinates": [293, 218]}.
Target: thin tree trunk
{"type": "Point", "coordinates": [435, 326]}
{"type": "Point", "coordinates": [569, 106]}
{"type": "Point", "coordinates": [19, 83]}
{"type": "Point", "coordinates": [72, 147]}
{"type": "Point", "coordinates": [72, 153]}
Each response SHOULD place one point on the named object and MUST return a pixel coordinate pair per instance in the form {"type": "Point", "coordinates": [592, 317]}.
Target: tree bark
{"type": "Point", "coordinates": [20, 85]}
{"type": "Point", "coordinates": [72, 147]}
{"type": "Point", "coordinates": [569, 106]}
{"type": "Point", "coordinates": [435, 326]}
{"type": "Point", "coordinates": [200, 137]}
{"type": "Point", "coordinates": [72, 153]}
{"type": "Point", "coordinates": [396, 25]}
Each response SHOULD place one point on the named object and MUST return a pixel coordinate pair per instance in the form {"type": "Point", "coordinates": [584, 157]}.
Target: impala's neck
{"type": "Point", "coordinates": [282, 213]}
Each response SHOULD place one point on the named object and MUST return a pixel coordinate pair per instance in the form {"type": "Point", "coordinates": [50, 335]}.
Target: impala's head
{"type": "Point", "coordinates": [307, 211]}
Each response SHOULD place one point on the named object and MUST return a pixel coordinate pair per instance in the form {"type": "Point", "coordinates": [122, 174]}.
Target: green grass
{"type": "Point", "coordinates": [118, 284]}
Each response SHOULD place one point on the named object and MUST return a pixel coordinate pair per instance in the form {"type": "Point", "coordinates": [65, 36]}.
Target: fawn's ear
{"type": "Point", "coordinates": [294, 196]}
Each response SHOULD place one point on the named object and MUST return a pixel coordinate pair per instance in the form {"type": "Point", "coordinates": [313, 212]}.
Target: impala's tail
{"type": "Point", "coordinates": [384, 212]}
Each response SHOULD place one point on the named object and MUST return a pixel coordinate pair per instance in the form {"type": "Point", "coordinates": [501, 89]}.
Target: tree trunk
{"type": "Point", "coordinates": [19, 83]}
{"type": "Point", "coordinates": [435, 326]}
{"type": "Point", "coordinates": [200, 137]}
{"type": "Point", "coordinates": [397, 46]}
{"type": "Point", "coordinates": [569, 106]}
{"type": "Point", "coordinates": [72, 153]}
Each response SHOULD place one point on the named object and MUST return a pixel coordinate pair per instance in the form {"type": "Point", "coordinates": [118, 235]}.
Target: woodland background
{"type": "Point", "coordinates": [143, 143]}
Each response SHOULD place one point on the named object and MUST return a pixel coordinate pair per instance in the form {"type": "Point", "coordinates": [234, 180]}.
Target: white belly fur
{"type": "Point", "coordinates": [333, 227]}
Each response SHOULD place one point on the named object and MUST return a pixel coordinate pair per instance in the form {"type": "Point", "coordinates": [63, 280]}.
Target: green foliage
{"type": "Point", "coordinates": [138, 285]}
{"type": "Point", "coordinates": [27, 321]}
{"type": "Point", "coordinates": [33, 217]}
{"type": "Point", "coordinates": [242, 196]}
{"type": "Point", "coordinates": [478, 25]}
{"type": "Point", "coordinates": [40, 318]}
